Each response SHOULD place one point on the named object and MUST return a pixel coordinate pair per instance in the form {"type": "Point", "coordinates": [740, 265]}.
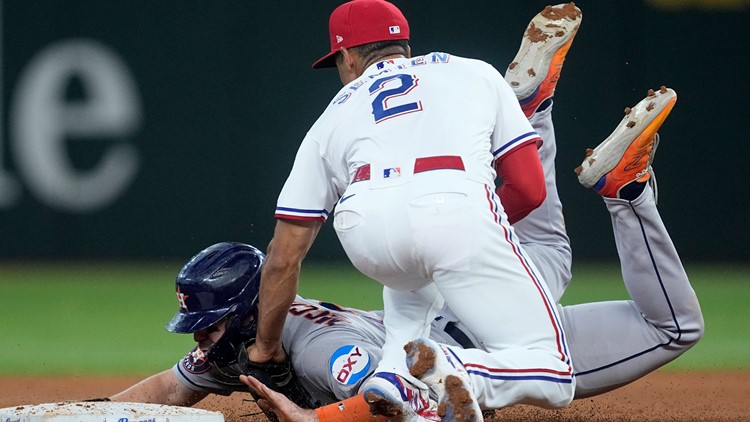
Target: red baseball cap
{"type": "Point", "coordinates": [361, 22]}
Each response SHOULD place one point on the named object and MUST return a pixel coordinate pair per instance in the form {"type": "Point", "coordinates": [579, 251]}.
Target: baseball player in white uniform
{"type": "Point", "coordinates": [406, 153]}
{"type": "Point", "coordinates": [613, 343]}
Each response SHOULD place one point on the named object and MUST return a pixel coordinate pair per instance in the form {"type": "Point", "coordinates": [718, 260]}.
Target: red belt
{"type": "Point", "coordinates": [422, 164]}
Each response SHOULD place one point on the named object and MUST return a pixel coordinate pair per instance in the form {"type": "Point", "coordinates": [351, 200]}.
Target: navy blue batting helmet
{"type": "Point", "coordinates": [220, 280]}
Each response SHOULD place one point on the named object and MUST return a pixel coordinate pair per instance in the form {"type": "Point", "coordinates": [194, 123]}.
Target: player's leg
{"type": "Point", "coordinates": [542, 232]}
{"type": "Point", "coordinates": [497, 293]}
{"type": "Point", "coordinates": [406, 315]}
{"type": "Point", "coordinates": [533, 75]}
{"type": "Point", "coordinates": [392, 390]}
{"type": "Point", "coordinates": [380, 243]}
{"type": "Point", "coordinates": [614, 343]}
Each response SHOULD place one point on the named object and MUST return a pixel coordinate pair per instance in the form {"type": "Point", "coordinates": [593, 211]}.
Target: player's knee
{"type": "Point", "coordinates": [561, 396]}
{"type": "Point", "coordinates": [692, 331]}
{"type": "Point", "coordinates": [688, 328]}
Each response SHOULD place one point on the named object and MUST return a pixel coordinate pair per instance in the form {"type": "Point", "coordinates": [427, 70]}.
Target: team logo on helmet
{"type": "Point", "coordinates": [349, 364]}
{"type": "Point", "coordinates": [196, 361]}
{"type": "Point", "coordinates": [181, 299]}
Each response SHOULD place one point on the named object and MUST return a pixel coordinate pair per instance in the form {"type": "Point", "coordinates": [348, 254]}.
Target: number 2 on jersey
{"type": "Point", "coordinates": [380, 109]}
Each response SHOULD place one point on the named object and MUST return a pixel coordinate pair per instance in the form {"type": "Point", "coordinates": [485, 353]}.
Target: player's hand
{"type": "Point", "coordinates": [262, 355]}
{"type": "Point", "coordinates": [271, 401]}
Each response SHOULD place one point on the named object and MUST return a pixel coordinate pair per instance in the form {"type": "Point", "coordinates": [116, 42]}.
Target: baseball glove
{"type": "Point", "coordinates": [280, 377]}
{"type": "Point", "coordinates": [229, 356]}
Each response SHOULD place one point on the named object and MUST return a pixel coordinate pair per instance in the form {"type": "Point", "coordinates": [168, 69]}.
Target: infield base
{"type": "Point", "coordinates": [77, 411]}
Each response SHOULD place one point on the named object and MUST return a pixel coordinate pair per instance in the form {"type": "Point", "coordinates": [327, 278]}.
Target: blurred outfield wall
{"type": "Point", "coordinates": [150, 129]}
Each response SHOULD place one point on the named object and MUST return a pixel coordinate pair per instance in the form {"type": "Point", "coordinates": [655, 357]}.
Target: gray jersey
{"type": "Point", "coordinates": [333, 350]}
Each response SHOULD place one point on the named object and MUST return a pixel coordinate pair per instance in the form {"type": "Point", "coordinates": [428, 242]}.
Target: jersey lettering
{"type": "Point", "coordinates": [315, 314]}
{"type": "Point", "coordinates": [380, 109]}
{"type": "Point", "coordinates": [440, 57]}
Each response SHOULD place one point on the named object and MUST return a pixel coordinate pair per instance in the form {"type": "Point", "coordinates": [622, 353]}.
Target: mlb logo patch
{"type": "Point", "coordinates": [394, 29]}
{"type": "Point", "coordinates": [382, 64]}
{"type": "Point", "coordinates": [392, 172]}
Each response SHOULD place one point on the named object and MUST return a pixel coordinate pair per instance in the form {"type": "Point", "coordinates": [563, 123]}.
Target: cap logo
{"type": "Point", "coordinates": [181, 299]}
{"type": "Point", "coordinates": [339, 38]}
{"type": "Point", "coordinates": [394, 29]}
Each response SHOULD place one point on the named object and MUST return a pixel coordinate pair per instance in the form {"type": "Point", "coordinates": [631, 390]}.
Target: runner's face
{"type": "Point", "coordinates": [207, 337]}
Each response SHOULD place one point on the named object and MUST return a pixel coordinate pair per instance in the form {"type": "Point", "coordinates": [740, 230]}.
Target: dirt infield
{"type": "Point", "coordinates": [662, 396]}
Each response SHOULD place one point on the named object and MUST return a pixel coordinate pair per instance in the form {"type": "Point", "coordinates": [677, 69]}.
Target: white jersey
{"type": "Point", "coordinates": [397, 112]}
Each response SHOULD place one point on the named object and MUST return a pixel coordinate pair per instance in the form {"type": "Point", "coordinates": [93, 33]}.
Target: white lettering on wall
{"type": "Point", "coordinates": [42, 119]}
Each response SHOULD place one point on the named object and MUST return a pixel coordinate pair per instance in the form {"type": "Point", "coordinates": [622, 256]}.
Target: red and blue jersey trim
{"type": "Point", "coordinates": [301, 214]}
{"type": "Point", "coordinates": [526, 137]}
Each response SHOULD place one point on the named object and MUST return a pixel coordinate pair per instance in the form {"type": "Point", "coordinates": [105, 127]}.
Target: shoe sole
{"type": "Point", "coordinates": [641, 121]}
{"type": "Point", "coordinates": [553, 29]}
{"type": "Point", "coordinates": [458, 404]}
{"type": "Point", "coordinates": [455, 400]}
{"type": "Point", "coordinates": [381, 404]}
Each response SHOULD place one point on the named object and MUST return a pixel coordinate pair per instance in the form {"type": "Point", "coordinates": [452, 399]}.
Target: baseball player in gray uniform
{"type": "Point", "coordinates": [334, 349]}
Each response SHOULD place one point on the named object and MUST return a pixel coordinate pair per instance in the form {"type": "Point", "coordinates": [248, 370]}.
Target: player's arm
{"type": "Point", "coordinates": [352, 409]}
{"type": "Point", "coordinates": [162, 388]}
{"type": "Point", "coordinates": [523, 188]}
{"type": "Point", "coordinates": [278, 286]}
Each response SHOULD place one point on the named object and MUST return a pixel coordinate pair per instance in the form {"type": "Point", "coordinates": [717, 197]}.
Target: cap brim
{"type": "Point", "coordinates": [190, 322]}
{"type": "Point", "coordinates": [329, 60]}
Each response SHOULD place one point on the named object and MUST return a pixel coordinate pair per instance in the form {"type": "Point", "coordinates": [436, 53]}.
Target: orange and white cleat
{"type": "Point", "coordinates": [621, 164]}
{"type": "Point", "coordinates": [535, 70]}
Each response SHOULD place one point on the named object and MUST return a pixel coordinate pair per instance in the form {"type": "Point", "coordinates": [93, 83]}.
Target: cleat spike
{"type": "Point", "coordinates": [626, 155]}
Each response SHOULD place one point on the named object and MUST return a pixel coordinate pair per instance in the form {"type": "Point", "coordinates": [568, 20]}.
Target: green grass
{"type": "Point", "coordinates": [109, 319]}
